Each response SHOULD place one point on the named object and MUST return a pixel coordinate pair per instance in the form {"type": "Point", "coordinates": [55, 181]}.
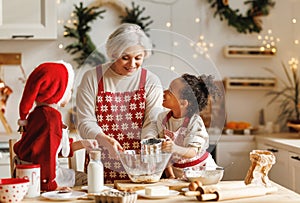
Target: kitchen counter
{"type": "Point", "coordinates": [288, 141]}
{"type": "Point", "coordinates": [282, 195]}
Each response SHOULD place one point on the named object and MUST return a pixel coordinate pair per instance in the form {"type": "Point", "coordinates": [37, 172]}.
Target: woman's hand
{"type": "Point", "coordinates": [111, 144]}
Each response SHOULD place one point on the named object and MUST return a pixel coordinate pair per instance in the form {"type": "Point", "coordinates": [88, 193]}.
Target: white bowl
{"type": "Point", "coordinates": [207, 176]}
{"type": "Point", "coordinates": [13, 190]}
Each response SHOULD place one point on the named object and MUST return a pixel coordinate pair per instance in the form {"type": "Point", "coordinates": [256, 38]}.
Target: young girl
{"type": "Point", "coordinates": [44, 136]}
{"type": "Point", "coordinates": [182, 126]}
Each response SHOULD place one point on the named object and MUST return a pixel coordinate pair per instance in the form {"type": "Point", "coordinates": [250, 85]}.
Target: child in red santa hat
{"type": "Point", "coordinates": [44, 136]}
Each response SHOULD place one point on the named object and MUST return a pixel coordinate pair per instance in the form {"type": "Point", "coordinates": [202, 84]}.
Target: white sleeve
{"type": "Point", "coordinates": [197, 135]}
{"type": "Point", "coordinates": [154, 99]}
{"type": "Point", "coordinates": [85, 105]}
{"type": "Point", "coordinates": [159, 123]}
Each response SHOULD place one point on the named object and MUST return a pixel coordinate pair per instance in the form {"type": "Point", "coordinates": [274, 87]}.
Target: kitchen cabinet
{"type": "Point", "coordinates": [294, 168]}
{"type": "Point", "coordinates": [232, 152]}
{"type": "Point", "coordinates": [279, 171]}
{"type": "Point", "coordinates": [30, 19]}
{"type": "Point", "coordinates": [4, 153]}
{"type": "Point", "coordinates": [4, 161]}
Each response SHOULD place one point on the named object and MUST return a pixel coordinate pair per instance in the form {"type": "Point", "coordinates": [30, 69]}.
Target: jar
{"type": "Point", "coordinates": [32, 173]}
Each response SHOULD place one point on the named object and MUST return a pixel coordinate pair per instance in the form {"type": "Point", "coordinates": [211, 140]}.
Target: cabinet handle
{"type": "Point", "coordinates": [296, 157]}
{"type": "Point", "coordinates": [22, 36]}
{"type": "Point", "coordinates": [273, 150]}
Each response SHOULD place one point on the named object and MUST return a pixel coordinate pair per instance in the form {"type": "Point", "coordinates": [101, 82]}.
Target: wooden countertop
{"type": "Point", "coordinates": [282, 195]}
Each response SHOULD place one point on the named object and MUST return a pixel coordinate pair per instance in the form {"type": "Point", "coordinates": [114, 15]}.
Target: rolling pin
{"type": "Point", "coordinates": [251, 191]}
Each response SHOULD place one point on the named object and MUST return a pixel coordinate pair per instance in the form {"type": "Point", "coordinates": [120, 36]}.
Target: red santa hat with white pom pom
{"type": "Point", "coordinates": [49, 83]}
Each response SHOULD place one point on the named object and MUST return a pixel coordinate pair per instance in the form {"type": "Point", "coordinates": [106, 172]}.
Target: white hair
{"type": "Point", "coordinates": [125, 36]}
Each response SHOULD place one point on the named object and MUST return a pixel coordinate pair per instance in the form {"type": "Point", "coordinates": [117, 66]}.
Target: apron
{"type": "Point", "coordinates": [121, 116]}
{"type": "Point", "coordinates": [178, 138]}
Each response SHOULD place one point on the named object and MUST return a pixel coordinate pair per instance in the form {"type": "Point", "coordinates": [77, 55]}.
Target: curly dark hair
{"type": "Point", "coordinates": [197, 91]}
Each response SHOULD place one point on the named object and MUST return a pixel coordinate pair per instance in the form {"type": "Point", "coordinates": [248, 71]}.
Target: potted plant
{"type": "Point", "coordinates": [287, 95]}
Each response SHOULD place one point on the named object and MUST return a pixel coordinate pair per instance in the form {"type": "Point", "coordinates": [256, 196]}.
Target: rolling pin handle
{"type": "Point", "coordinates": [192, 193]}
{"type": "Point", "coordinates": [208, 197]}
{"type": "Point", "coordinates": [197, 192]}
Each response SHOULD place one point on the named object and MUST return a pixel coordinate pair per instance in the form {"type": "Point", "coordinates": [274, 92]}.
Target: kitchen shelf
{"type": "Point", "coordinates": [250, 83]}
{"type": "Point", "coordinates": [249, 51]}
{"type": "Point", "coordinates": [10, 59]}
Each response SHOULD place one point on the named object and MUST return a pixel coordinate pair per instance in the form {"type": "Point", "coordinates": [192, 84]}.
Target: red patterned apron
{"type": "Point", "coordinates": [121, 116]}
{"type": "Point", "coordinates": [178, 138]}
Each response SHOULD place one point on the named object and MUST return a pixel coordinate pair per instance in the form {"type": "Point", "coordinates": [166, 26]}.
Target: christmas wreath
{"type": "Point", "coordinates": [84, 45]}
{"type": "Point", "coordinates": [248, 23]}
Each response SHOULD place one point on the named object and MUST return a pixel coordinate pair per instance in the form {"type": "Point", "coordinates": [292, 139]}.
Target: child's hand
{"type": "Point", "coordinates": [63, 189]}
{"type": "Point", "coordinates": [89, 144]}
{"type": "Point", "coordinates": [172, 177]}
{"type": "Point", "coordinates": [167, 145]}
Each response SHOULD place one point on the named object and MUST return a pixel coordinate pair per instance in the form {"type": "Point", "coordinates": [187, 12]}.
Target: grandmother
{"type": "Point", "coordinates": [118, 102]}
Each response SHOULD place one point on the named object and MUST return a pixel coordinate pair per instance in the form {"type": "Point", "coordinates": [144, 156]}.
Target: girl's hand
{"type": "Point", "coordinates": [168, 145]}
{"type": "Point", "coordinates": [89, 144]}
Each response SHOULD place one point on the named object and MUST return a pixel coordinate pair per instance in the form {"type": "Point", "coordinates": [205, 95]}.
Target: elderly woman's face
{"type": "Point", "coordinates": [130, 61]}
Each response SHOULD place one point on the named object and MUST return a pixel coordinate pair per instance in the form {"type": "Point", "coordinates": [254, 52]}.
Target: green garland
{"type": "Point", "coordinates": [133, 16]}
{"type": "Point", "coordinates": [243, 24]}
{"type": "Point", "coordinates": [84, 45]}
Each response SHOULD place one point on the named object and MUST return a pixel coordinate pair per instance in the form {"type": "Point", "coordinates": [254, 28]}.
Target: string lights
{"type": "Point", "coordinates": [294, 21]}
{"type": "Point", "coordinates": [60, 22]}
{"type": "Point", "coordinates": [293, 62]}
{"type": "Point", "coordinates": [201, 47]}
{"type": "Point", "coordinates": [268, 42]}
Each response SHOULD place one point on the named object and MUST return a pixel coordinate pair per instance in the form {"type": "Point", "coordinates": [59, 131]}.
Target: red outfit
{"type": "Point", "coordinates": [49, 84]}
{"type": "Point", "coordinates": [40, 142]}
{"type": "Point", "coordinates": [120, 115]}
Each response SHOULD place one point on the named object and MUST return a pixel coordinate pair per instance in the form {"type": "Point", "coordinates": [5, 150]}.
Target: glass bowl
{"type": "Point", "coordinates": [144, 168]}
{"type": "Point", "coordinates": [207, 176]}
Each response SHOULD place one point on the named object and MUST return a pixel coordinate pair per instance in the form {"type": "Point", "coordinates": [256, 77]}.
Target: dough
{"type": "Point", "coordinates": [261, 163]}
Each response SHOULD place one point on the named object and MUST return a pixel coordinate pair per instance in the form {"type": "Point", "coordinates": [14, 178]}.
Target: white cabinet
{"type": "Point", "coordinates": [234, 156]}
{"type": "Point", "coordinates": [4, 164]}
{"type": "Point", "coordinates": [30, 19]}
{"type": "Point", "coordinates": [279, 171]}
{"type": "Point", "coordinates": [294, 171]}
